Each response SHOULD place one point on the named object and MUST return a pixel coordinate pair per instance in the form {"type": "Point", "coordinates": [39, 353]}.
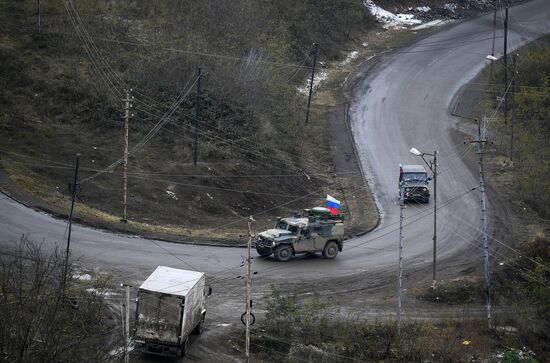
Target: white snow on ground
{"type": "Point", "coordinates": [423, 9]}
{"type": "Point", "coordinates": [317, 80]}
{"type": "Point", "coordinates": [100, 292]}
{"type": "Point", "coordinates": [83, 277]}
{"type": "Point", "coordinates": [390, 19]}
{"type": "Point", "coordinates": [351, 56]}
{"type": "Point", "coordinates": [450, 7]}
{"type": "Point", "coordinates": [172, 195]}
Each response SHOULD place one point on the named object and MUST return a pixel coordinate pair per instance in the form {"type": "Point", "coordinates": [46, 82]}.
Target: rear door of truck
{"type": "Point", "coordinates": [159, 317]}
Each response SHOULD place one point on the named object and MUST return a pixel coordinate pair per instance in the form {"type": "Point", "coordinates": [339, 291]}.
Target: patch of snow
{"type": "Point", "coordinates": [430, 24]}
{"type": "Point", "coordinates": [83, 277]}
{"type": "Point", "coordinates": [450, 7]}
{"type": "Point", "coordinates": [365, 44]}
{"type": "Point", "coordinates": [171, 194]}
{"type": "Point", "coordinates": [351, 56]}
{"type": "Point", "coordinates": [100, 292]}
{"type": "Point", "coordinates": [317, 80]}
{"type": "Point", "coordinates": [507, 329]}
{"type": "Point", "coordinates": [423, 9]}
{"type": "Point", "coordinates": [390, 19]}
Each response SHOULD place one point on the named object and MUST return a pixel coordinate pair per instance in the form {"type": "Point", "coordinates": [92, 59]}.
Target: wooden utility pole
{"type": "Point", "coordinates": [74, 192]}
{"type": "Point", "coordinates": [514, 72]}
{"type": "Point", "coordinates": [127, 106]}
{"type": "Point", "coordinates": [197, 115]}
{"type": "Point", "coordinates": [248, 289]}
{"type": "Point", "coordinates": [122, 313]}
{"type": "Point", "coordinates": [315, 49]}
{"type": "Point", "coordinates": [481, 141]}
{"type": "Point", "coordinates": [39, 14]}
{"type": "Point", "coordinates": [434, 164]}
{"type": "Point", "coordinates": [506, 67]}
{"type": "Point", "coordinates": [400, 269]}
{"type": "Point", "coordinates": [126, 333]}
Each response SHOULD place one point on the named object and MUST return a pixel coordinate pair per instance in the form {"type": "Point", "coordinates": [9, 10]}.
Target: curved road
{"type": "Point", "coordinates": [403, 103]}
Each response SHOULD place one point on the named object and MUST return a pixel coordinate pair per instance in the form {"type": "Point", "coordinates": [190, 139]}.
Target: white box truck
{"type": "Point", "coordinates": [170, 306]}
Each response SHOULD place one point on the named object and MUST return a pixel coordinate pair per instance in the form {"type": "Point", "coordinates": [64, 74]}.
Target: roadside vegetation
{"type": "Point", "coordinates": [62, 91]}
{"type": "Point", "coordinates": [531, 152]}
{"type": "Point", "coordinates": [40, 323]}
{"type": "Point", "coordinates": [317, 331]}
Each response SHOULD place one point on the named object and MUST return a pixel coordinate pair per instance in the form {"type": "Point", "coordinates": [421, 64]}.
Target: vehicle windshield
{"type": "Point", "coordinates": [281, 225]}
{"type": "Point", "coordinates": [412, 177]}
{"type": "Point", "coordinates": [294, 229]}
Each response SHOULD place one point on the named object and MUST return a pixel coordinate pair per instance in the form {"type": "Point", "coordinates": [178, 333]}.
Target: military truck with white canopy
{"type": "Point", "coordinates": [170, 307]}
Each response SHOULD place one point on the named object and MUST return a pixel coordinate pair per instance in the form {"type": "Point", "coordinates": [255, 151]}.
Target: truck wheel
{"type": "Point", "coordinates": [331, 250]}
{"type": "Point", "coordinates": [198, 328]}
{"type": "Point", "coordinates": [283, 253]}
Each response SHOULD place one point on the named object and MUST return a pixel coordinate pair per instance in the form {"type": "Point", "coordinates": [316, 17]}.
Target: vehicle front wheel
{"type": "Point", "coordinates": [331, 250]}
{"type": "Point", "coordinates": [283, 253]}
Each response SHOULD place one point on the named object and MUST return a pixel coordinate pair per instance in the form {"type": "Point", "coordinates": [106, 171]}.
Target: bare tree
{"type": "Point", "coordinates": [38, 323]}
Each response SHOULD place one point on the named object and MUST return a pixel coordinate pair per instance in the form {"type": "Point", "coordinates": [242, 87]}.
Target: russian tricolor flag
{"type": "Point", "coordinates": [333, 205]}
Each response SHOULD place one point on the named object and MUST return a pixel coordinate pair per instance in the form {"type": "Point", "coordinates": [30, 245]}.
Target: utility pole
{"type": "Point", "coordinates": [39, 13]}
{"type": "Point", "coordinates": [481, 141]}
{"type": "Point", "coordinates": [400, 269]}
{"type": "Point", "coordinates": [435, 217]}
{"type": "Point", "coordinates": [127, 106]}
{"type": "Point", "coordinates": [197, 115]}
{"type": "Point", "coordinates": [506, 67]}
{"type": "Point", "coordinates": [315, 50]}
{"type": "Point", "coordinates": [126, 323]}
{"type": "Point", "coordinates": [248, 288]}
{"type": "Point", "coordinates": [74, 191]}
{"type": "Point", "coordinates": [494, 37]}
{"type": "Point", "coordinates": [514, 72]}
{"type": "Point", "coordinates": [123, 329]}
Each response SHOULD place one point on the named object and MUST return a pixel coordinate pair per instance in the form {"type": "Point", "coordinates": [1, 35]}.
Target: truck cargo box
{"type": "Point", "coordinates": [170, 306]}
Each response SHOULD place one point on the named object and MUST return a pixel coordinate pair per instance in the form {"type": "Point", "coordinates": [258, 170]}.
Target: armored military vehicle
{"type": "Point", "coordinates": [315, 230]}
{"type": "Point", "coordinates": [414, 180]}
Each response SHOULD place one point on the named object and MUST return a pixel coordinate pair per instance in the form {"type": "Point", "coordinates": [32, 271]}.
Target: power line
{"type": "Point", "coordinates": [151, 133]}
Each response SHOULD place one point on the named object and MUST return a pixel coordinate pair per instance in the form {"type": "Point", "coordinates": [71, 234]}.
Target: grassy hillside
{"type": "Point", "coordinates": [62, 91]}
{"type": "Point", "coordinates": [531, 151]}
{"type": "Point", "coordinates": [523, 182]}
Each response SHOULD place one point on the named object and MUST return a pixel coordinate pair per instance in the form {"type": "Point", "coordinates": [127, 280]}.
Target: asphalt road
{"type": "Point", "coordinates": [402, 102]}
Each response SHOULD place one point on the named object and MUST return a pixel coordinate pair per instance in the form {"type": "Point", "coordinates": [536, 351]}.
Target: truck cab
{"type": "Point", "coordinates": [414, 181]}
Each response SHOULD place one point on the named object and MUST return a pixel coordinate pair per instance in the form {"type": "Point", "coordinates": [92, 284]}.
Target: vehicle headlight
{"type": "Point", "coordinates": [273, 243]}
